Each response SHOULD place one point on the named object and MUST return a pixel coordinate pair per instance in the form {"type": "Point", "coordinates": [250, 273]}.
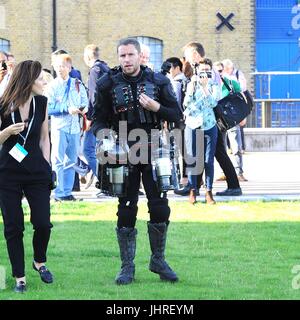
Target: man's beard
{"type": "Point", "coordinates": [132, 71]}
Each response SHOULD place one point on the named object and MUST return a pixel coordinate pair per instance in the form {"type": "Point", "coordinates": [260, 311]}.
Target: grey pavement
{"type": "Point", "coordinates": [271, 175]}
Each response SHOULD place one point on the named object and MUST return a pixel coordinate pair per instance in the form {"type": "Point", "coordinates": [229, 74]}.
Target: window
{"type": "Point", "coordinates": [4, 45]}
{"type": "Point", "coordinates": [156, 50]}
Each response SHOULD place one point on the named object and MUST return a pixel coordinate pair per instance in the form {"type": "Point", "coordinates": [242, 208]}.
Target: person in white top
{"type": "Point", "coordinates": [177, 77]}
{"type": "Point", "coordinates": [234, 74]}
{"type": "Point", "coordinates": [7, 65]}
{"type": "Point", "coordinates": [4, 74]}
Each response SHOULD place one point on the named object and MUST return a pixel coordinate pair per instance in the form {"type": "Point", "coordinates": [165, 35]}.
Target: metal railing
{"type": "Point", "coordinates": [275, 113]}
{"type": "Point", "coordinates": [263, 80]}
{"type": "Point", "coordinates": [273, 108]}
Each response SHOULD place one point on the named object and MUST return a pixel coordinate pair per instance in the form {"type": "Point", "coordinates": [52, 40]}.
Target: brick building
{"type": "Point", "coordinates": [26, 28]}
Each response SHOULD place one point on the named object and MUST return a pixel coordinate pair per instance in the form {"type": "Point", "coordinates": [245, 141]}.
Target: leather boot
{"type": "Point", "coordinates": [209, 198]}
{"type": "Point", "coordinates": [192, 197]}
{"type": "Point", "coordinates": [158, 237]}
{"type": "Point", "coordinates": [127, 244]}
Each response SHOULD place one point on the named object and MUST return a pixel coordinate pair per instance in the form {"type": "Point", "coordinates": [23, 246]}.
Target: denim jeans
{"type": "Point", "coordinates": [193, 154]}
{"type": "Point", "coordinates": [210, 142]}
{"type": "Point", "coordinates": [235, 140]}
{"type": "Point", "coordinates": [65, 147]}
{"type": "Point", "coordinates": [89, 151]}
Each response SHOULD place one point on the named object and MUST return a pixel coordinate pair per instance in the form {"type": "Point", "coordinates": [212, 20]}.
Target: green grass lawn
{"type": "Point", "coordinates": [228, 251]}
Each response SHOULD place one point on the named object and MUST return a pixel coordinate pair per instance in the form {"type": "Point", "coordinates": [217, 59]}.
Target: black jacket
{"type": "Point", "coordinates": [96, 72]}
{"type": "Point", "coordinates": [104, 116]}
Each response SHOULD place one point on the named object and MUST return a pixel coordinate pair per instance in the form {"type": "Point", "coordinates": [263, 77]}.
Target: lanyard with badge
{"type": "Point", "coordinates": [18, 152]}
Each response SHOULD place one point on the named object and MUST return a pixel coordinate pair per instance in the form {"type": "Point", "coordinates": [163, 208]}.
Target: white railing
{"type": "Point", "coordinates": [268, 74]}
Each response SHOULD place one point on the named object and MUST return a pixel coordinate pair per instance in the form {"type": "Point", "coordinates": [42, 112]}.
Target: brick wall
{"type": "Point", "coordinates": [23, 28]}
{"type": "Point", "coordinates": [104, 22]}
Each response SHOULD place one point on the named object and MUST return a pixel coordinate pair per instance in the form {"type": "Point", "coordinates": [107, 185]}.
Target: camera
{"type": "Point", "coordinates": [203, 74]}
{"type": "Point", "coordinates": [4, 65]}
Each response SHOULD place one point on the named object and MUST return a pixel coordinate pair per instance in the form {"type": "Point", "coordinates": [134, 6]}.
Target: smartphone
{"type": "Point", "coordinates": [4, 65]}
{"type": "Point", "coordinates": [81, 108]}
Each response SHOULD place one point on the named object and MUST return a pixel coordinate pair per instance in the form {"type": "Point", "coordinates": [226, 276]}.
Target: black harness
{"type": "Point", "coordinates": [126, 100]}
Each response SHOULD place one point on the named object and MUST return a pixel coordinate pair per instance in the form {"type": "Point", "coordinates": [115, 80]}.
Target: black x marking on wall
{"type": "Point", "coordinates": [225, 21]}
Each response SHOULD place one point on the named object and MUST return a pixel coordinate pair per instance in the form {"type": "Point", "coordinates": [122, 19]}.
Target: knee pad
{"type": "Point", "coordinates": [127, 215]}
{"type": "Point", "coordinates": [159, 210]}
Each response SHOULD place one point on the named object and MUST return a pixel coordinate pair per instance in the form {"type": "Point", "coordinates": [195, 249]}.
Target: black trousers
{"type": "Point", "coordinates": [38, 196]}
{"type": "Point", "coordinates": [76, 185]}
{"type": "Point", "coordinates": [158, 205]}
{"type": "Point", "coordinates": [225, 163]}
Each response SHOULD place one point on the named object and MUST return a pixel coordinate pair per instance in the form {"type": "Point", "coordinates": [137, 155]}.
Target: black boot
{"type": "Point", "coordinates": [127, 244]}
{"type": "Point", "coordinates": [158, 237]}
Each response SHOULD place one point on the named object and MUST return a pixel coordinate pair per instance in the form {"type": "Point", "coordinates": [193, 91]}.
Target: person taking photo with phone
{"type": "Point", "coordinates": [4, 75]}
{"type": "Point", "coordinates": [201, 97]}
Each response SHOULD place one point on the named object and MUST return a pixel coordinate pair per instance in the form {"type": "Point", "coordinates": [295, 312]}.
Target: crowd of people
{"type": "Point", "coordinates": [199, 84]}
{"type": "Point", "coordinates": [73, 143]}
{"type": "Point", "coordinates": [29, 163]}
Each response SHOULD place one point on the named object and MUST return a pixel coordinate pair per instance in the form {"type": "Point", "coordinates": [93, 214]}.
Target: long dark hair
{"type": "Point", "coordinates": [20, 85]}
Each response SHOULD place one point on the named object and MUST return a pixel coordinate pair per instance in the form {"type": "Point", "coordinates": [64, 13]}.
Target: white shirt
{"type": "Point", "coordinates": [4, 83]}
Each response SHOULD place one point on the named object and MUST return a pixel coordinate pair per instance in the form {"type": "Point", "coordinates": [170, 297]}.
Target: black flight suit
{"type": "Point", "coordinates": [111, 107]}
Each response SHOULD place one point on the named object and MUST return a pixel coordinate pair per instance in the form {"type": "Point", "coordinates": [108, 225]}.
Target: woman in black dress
{"type": "Point", "coordinates": [25, 168]}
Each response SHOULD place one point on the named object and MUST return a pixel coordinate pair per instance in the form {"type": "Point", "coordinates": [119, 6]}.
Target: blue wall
{"type": "Point", "coordinates": [277, 46]}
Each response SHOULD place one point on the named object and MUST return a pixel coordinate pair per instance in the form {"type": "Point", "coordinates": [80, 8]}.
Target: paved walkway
{"type": "Point", "coordinates": [271, 175]}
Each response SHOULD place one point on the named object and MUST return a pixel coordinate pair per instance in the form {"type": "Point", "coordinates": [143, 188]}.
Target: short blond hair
{"type": "Point", "coordinates": [93, 51]}
{"type": "Point", "coordinates": [65, 58]}
{"type": "Point", "coordinates": [62, 57]}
